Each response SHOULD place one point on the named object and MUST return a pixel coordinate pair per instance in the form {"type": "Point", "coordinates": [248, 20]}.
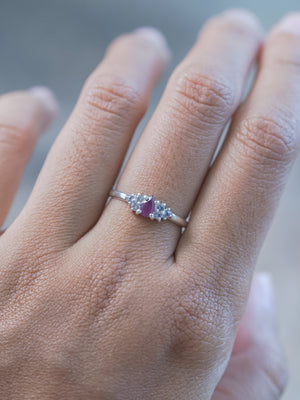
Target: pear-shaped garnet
{"type": "Point", "coordinates": [148, 207]}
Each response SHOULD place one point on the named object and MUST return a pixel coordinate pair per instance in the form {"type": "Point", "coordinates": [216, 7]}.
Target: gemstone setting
{"type": "Point", "coordinates": [148, 207]}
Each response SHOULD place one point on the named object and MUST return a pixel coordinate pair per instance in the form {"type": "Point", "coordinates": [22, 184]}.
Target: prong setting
{"type": "Point", "coordinates": [148, 207]}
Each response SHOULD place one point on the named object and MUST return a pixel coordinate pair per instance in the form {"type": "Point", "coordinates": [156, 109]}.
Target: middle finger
{"type": "Point", "coordinates": [176, 148]}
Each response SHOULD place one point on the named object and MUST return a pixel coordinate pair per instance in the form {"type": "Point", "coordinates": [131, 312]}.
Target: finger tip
{"type": "Point", "coordinates": [47, 99]}
{"type": "Point", "coordinates": [158, 39]}
{"type": "Point", "coordinates": [245, 16]}
{"type": "Point", "coordinates": [288, 24]}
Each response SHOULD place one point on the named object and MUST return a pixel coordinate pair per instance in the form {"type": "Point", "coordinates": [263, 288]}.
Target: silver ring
{"type": "Point", "coordinates": [148, 207]}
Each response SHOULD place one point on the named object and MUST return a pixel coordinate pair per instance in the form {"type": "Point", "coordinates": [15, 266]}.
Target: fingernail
{"type": "Point", "coordinates": [157, 38]}
{"type": "Point", "coordinates": [243, 15]}
{"type": "Point", "coordinates": [47, 99]}
{"type": "Point", "coordinates": [289, 24]}
{"type": "Point", "coordinates": [264, 292]}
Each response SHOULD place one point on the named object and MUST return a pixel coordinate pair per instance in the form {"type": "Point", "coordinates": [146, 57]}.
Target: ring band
{"type": "Point", "coordinates": [148, 207]}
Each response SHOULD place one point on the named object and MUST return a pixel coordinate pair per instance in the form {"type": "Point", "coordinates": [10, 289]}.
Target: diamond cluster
{"type": "Point", "coordinates": [148, 207]}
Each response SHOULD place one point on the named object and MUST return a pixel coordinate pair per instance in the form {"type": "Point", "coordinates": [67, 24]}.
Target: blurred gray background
{"type": "Point", "coordinates": [58, 42]}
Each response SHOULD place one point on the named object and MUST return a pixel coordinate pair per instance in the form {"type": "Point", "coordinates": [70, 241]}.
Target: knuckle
{"type": "Point", "coordinates": [17, 140]}
{"type": "Point", "coordinates": [111, 96]}
{"type": "Point", "coordinates": [270, 138]}
{"type": "Point", "coordinates": [204, 96]}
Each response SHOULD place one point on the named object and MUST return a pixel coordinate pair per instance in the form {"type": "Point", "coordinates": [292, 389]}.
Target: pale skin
{"type": "Point", "coordinates": [99, 303]}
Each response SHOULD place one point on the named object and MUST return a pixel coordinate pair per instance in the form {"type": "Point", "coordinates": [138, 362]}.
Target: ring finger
{"type": "Point", "coordinates": [175, 150]}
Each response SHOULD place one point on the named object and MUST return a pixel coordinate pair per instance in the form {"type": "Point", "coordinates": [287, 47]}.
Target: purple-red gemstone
{"type": "Point", "coordinates": [147, 208]}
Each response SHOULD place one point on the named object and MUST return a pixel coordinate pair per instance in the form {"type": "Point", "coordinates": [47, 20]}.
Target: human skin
{"type": "Point", "coordinates": [99, 303]}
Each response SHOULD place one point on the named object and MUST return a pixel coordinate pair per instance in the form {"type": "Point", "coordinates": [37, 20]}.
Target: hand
{"type": "Point", "coordinates": [99, 303]}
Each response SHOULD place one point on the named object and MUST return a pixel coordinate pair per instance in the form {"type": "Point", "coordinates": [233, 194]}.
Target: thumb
{"type": "Point", "coordinates": [257, 368]}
